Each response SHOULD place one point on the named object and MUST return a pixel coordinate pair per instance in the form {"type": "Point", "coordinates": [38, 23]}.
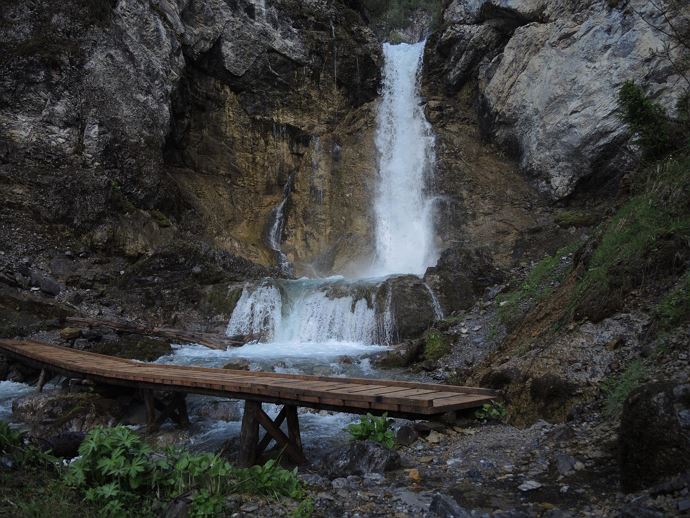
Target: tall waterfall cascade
{"type": "Point", "coordinates": [405, 145]}
{"type": "Point", "coordinates": [346, 311]}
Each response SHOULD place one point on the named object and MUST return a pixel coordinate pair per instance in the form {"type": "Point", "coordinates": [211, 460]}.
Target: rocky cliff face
{"type": "Point", "coordinates": [547, 76]}
{"type": "Point", "coordinates": [133, 131]}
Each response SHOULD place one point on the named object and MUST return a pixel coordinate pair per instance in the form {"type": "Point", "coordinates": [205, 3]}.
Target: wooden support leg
{"type": "Point", "coordinates": [150, 404]}
{"type": "Point", "coordinates": [249, 435]}
{"type": "Point", "coordinates": [182, 417]}
{"type": "Point", "coordinates": [293, 426]}
{"type": "Point", "coordinates": [42, 379]}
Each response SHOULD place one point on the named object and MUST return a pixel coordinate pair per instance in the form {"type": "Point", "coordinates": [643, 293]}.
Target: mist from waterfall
{"type": "Point", "coordinates": [405, 145]}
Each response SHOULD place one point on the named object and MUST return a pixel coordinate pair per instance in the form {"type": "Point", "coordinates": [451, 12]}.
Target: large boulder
{"type": "Point", "coordinates": [409, 304]}
{"type": "Point", "coordinates": [360, 458]}
{"type": "Point", "coordinates": [52, 413]}
{"type": "Point", "coordinates": [461, 276]}
{"type": "Point", "coordinates": [654, 437]}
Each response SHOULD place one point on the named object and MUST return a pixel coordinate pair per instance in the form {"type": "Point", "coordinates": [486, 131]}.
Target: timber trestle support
{"type": "Point", "coordinates": [251, 447]}
{"type": "Point", "coordinates": [159, 409]}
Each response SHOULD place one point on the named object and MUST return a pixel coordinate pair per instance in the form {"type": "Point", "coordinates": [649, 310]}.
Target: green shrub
{"type": "Point", "coordinates": [634, 246]}
{"type": "Point", "coordinates": [117, 470]}
{"type": "Point", "coordinates": [618, 389]}
{"type": "Point", "coordinates": [539, 283]}
{"type": "Point", "coordinates": [493, 411]}
{"type": "Point", "coordinates": [373, 428]}
{"type": "Point", "coordinates": [674, 308]}
{"type": "Point", "coordinates": [436, 345]}
{"type": "Point", "coordinates": [13, 446]}
{"type": "Point", "coordinates": [646, 119]}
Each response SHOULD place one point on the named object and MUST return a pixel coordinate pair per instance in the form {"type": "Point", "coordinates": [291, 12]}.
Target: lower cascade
{"type": "Point", "coordinates": [303, 311]}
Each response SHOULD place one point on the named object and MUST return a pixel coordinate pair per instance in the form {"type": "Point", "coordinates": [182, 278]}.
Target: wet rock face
{"type": "Point", "coordinates": [548, 78]}
{"type": "Point", "coordinates": [654, 437]}
{"type": "Point", "coordinates": [140, 127]}
{"type": "Point", "coordinates": [461, 276]}
{"type": "Point", "coordinates": [411, 306]}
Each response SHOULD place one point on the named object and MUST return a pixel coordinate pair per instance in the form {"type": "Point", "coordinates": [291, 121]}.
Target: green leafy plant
{"type": "Point", "coordinates": [618, 389]}
{"type": "Point", "coordinates": [493, 411]}
{"type": "Point", "coordinates": [374, 428]}
{"type": "Point", "coordinates": [270, 480]}
{"type": "Point", "coordinates": [436, 345]}
{"type": "Point", "coordinates": [121, 473]}
{"type": "Point", "coordinates": [13, 445]}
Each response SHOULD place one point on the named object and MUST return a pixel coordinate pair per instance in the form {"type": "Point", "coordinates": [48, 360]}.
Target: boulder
{"type": "Point", "coordinates": [410, 305]}
{"type": "Point", "coordinates": [52, 413]}
{"type": "Point", "coordinates": [445, 506]}
{"type": "Point", "coordinates": [461, 276]}
{"type": "Point", "coordinates": [654, 437]}
{"type": "Point", "coordinates": [360, 458]}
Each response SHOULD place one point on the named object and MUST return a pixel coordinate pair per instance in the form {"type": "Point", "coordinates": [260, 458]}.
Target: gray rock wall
{"type": "Point", "coordinates": [549, 73]}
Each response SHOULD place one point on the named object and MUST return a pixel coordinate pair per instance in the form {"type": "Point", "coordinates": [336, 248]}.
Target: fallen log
{"type": "Point", "coordinates": [176, 335]}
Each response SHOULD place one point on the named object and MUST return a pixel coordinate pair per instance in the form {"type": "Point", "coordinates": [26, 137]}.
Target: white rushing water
{"type": "Point", "coordinates": [311, 311]}
{"type": "Point", "coordinates": [405, 144]}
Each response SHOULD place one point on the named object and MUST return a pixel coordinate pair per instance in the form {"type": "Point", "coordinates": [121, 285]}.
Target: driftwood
{"type": "Point", "coordinates": [213, 341]}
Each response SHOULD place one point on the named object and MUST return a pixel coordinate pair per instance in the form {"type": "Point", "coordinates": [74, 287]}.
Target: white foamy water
{"type": "Point", "coordinates": [9, 391]}
{"type": "Point", "coordinates": [311, 314]}
{"type": "Point", "coordinates": [405, 144]}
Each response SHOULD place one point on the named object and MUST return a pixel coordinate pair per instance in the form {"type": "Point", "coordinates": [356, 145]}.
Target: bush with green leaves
{"type": "Point", "coordinates": [618, 389]}
{"type": "Point", "coordinates": [13, 445]}
{"type": "Point", "coordinates": [119, 470]}
{"type": "Point", "coordinates": [374, 428]}
{"type": "Point", "coordinates": [647, 120]}
{"type": "Point", "coordinates": [493, 411]}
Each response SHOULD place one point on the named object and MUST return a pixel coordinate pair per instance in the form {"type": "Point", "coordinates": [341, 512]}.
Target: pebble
{"type": "Point", "coordinates": [249, 508]}
{"type": "Point", "coordinates": [434, 437]}
{"type": "Point", "coordinates": [529, 485]}
{"type": "Point", "coordinates": [426, 459]}
{"type": "Point", "coordinates": [414, 475]}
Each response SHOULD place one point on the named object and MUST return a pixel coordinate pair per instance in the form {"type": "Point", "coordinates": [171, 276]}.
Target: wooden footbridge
{"type": "Point", "coordinates": [351, 395]}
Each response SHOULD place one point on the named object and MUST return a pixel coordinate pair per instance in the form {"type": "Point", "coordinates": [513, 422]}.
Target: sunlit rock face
{"type": "Point", "coordinates": [548, 78]}
{"type": "Point", "coordinates": [153, 125]}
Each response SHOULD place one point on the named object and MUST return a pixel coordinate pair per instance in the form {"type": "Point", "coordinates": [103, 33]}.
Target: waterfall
{"type": "Point", "coordinates": [275, 232]}
{"type": "Point", "coordinates": [335, 310]}
{"type": "Point", "coordinates": [307, 311]}
{"type": "Point", "coordinates": [405, 145]}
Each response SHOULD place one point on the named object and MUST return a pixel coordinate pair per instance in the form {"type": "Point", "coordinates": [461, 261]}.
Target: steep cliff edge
{"type": "Point", "coordinates": [134, 132]}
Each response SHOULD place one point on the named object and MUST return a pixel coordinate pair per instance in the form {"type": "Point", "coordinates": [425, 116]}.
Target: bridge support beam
{"type": "Point", "coordinates": [158, 410]}
{"type": "Point", "coordinates": [250, 445]}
